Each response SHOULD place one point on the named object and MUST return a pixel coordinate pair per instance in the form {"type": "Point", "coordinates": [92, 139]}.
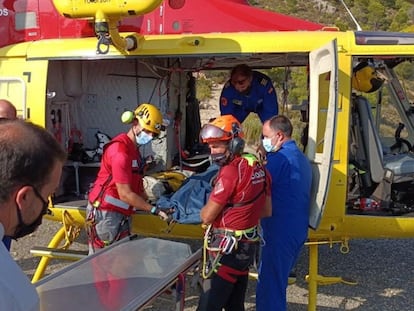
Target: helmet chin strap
{"type": "Point", "coordinates": [135, 134]}
{"type": "Point", "coordinates": [222, 158]}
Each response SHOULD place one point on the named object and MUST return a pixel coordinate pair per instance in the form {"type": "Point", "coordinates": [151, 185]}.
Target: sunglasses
{"type": "Point", "coordinates": [39, 196]}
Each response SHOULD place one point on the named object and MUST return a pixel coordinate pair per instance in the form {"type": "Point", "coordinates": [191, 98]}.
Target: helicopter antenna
{"type": "Point", "coordinates": [352, 16]}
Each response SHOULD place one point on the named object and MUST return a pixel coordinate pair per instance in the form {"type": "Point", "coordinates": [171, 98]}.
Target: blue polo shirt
{"type": "Point", "coordinates": [261, 99]}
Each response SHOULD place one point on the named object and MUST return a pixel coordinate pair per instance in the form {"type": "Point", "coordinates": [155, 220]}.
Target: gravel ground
{"type": "Point", "coordinates": [383, 269]}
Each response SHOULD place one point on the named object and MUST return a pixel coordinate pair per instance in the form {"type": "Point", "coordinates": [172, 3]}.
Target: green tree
{"type": "Point", "coordinates": [376, 17]}
{"type": "Point", "coordinates": [400, 21]}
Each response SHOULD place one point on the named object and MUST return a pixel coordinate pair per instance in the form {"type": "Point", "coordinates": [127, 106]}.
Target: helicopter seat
{"type": "Point", "coordinates": [385, 169]}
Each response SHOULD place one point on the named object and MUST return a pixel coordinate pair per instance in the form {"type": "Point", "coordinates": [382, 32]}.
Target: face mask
{"type": "Point", "coordinates": [219, 158]}
{"type": "Point", "coordinates": [23, 229]}
{"type": "Point", "coordinates": [143, 138]}
{"type": "Point", "coordinates": [267, 144]}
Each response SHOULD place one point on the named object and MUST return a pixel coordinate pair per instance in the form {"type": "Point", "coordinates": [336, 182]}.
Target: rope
{"type": "Point", "coordinates": [136, 81]}
{"type": "Point", "coordinates": [206, 273]}
{"type": "Point", "coordinates": [72, 229]}
{"type": "Point", "coordinates": [285, 92]}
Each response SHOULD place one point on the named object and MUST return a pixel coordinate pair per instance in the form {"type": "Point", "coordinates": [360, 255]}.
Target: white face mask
{"type": "Point", "coordinates": [143, 138]}
{"type": "Point", "coordinates": [267, 144]}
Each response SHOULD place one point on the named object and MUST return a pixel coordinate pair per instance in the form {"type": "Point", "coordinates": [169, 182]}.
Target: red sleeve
{"type": "Point", "coordinates": [225, 185]}
{"type": "Point", "coordinates": [268, 183]}
{"type": "Point", "coordinates": [121, 163]}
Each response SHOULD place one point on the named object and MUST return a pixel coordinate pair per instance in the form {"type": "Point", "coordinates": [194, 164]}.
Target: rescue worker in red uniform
{"type": "Point", "coordinates": [239, 198]}
{"type": "Point", "coordinates": [118, 190]}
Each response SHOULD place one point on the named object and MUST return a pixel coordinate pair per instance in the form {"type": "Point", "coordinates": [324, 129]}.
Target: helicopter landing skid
{"type": "Point", "coordinates": [314, 279]}
{"type": "Point", "coordinates": [328, 280]}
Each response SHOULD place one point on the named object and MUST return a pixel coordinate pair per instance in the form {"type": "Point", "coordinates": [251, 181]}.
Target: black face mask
{"type": "Point", "coordinates": [23, 229]}
{"type": "Point", "coordinates": [219, 158]}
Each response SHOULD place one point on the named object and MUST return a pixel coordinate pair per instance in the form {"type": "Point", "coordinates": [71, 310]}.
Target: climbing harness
{"type": "Point", "coordinates": [221, 241]}
{"type": "Point", "coordinates": [93, 235]}
{"type": "Point", "coordinates": [91, 223]}
{"type": "Point", "coordinates": [224, 241]}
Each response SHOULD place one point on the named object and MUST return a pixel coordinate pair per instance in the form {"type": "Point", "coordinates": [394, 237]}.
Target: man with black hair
{"type": "Point", "coordinates": [248, 91]}
{"type": "Point", "coordinates": [30, 173]}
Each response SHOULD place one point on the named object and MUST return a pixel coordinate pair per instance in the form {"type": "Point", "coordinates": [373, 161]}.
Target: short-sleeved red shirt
{"type": "Point", "coordinates": [122, 160]}
{"type": "Point", "coordinates": [237, 183]}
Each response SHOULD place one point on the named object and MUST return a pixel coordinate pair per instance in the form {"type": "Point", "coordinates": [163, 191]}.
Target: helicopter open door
{"type": "Point", "coordinates": [322, 124]}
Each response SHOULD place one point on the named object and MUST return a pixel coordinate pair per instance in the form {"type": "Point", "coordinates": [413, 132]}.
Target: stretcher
{"type": "Point", "coordinates": [72, 216]}
{"type": "Point", "coordinates": [143, 223]}
{"type": "Point", "coordinates": [127, 275]}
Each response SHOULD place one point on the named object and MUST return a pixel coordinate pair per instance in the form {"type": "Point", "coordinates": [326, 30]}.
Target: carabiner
{"type": "Point", "coordinates": [103, 39]}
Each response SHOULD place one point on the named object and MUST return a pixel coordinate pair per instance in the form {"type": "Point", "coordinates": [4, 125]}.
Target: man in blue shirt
{"type": "Point", "coordinates": [286, 230]}
{"type": "Point", "coordinates": [248, 91]}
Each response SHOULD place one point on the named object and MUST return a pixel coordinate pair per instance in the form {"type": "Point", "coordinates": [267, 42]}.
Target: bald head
{"type": "Point", "coordinates": [7, 110]}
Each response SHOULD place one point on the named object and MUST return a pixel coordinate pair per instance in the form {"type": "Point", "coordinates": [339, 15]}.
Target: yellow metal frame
{"type": "Point", "coordinates": [44, 261]}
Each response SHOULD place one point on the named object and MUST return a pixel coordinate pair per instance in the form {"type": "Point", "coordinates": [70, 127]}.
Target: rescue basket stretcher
{"type": "Point", "coordinates": [143, 223]}
{"type": "Point", "coordinates": [127, 275]}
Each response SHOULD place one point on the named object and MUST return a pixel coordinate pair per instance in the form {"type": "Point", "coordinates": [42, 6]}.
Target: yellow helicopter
{"type": "Point", "coordinates": [359, 117]}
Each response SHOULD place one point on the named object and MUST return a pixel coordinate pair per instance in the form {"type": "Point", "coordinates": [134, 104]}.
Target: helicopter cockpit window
{"type": "Point", "coordinates": [395, 108]}
{"type": "Point", "coordinates": [381, 172]}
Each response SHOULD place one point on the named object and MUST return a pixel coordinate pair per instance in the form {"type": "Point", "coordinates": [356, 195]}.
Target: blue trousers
{"type": "Point", "coordinates": [278, 257]}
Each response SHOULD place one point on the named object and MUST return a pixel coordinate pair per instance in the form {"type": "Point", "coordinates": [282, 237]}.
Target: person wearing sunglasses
{"type": "Point", "coordinates": [239, 198]}
{"type": "Point", "coordinates": [30, 173]}
{"type": "Point", "coordinates": [248, 91]}
{"type": "Point", "coordinates": [118, 190]}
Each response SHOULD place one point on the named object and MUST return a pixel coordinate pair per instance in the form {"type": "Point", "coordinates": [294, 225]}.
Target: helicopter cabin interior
{"type": "Point", "coordinates": [84, 111]}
